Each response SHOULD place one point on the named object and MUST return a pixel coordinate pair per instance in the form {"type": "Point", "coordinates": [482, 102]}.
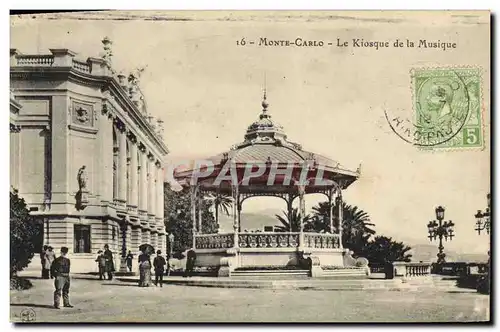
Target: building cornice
{"type": "Point", "coordinates": [93, 72]}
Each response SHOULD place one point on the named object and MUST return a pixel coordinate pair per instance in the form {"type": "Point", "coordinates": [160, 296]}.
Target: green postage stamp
{"type": "Point", "coordinates": [447, 107]}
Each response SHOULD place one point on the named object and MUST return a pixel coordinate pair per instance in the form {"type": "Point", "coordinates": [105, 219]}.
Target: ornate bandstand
{"type": "Point", "coordinates": [267, 164]}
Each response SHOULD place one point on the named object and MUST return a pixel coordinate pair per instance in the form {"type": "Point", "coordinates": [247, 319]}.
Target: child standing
{"type": "Point", "coordinates": [101, 264]}
{"type": "Point", "coordinates": [159, 265]}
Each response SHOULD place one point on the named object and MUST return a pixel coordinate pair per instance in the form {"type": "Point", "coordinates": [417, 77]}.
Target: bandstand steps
{"type": "Point", "coordinates": [270, 274]}
{"type": "Point", "coordinates": [344, 273]}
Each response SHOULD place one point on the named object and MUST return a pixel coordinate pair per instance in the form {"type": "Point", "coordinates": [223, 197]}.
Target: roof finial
{"type": "Point", "coordinates": [265, 104]}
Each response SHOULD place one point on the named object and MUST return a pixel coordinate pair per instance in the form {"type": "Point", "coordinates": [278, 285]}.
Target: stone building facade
{"type": "Point", "coordinates": [86, 155]}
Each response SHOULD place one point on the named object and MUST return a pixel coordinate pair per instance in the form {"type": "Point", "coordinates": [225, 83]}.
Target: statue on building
{"type": "Point", "coordinates": [108, 53]}
{"type": "Point", "coordinates": [82, 178]}
{"type": "Point", "coordinates": [82, 194]}
{"type": "Point", "coordinates": [135, 92]}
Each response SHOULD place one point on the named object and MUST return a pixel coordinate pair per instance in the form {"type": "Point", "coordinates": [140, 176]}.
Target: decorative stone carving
{"type": "Point", "coordinates": [82, 114]}
{"type": "Point", "coordinates": [82, 194]}
{"type": "Point", "coordinates": [82, 178]}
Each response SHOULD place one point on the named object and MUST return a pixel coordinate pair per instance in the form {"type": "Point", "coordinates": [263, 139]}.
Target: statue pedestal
{"type": "Point", "coordinates": [84, 197]}
{"type": "Point", "coordinates": [123, 265]}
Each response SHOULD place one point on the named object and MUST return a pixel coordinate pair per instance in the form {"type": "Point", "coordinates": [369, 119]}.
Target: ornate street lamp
{"type": "Point", "coordinates": [483, 219]}
{"type": "Point", "coordinates": [439, 230]}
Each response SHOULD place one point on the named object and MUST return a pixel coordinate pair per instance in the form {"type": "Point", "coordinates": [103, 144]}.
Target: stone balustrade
{"type": "Point", "coordinates": [410, 269]}
{"type": "Point", "coordinates": [214, 241]}
{"type": "Point", "coordinates": [35, 60]}
{"type": "Point", "coordinates": [81, 66]}
{"type": "Point", "coordinates": [268, 240]}
{"type": "Point", "coordinates": [321, 240]}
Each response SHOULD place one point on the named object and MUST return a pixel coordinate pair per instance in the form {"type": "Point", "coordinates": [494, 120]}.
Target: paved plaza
{"type": "Point", "coordinates": [119, 301]}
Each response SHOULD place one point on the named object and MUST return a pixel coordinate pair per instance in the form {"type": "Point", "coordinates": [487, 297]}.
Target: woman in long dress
{"type": "Point", "coordinates": [144, 270]}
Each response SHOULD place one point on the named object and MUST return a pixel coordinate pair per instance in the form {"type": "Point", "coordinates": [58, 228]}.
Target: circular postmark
{"type": "Point", "coordinates": [28, 315]}
{"type": "Point", "coordinates": [441, 107]}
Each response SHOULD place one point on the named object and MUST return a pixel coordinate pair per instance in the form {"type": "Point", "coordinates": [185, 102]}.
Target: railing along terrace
{"type": "Point", "coordinates": [47, 60]}
{"type": "Point", "coordinates": [418, 269]}
{"type": "Point", "coordinates": [408, 269]}
{"type": "Point", "coordinates": [214, 241]}
{"type": "Point", "coordinates": [82, 66]}
{"type": "Point", "coordinates": [35, 60]}
{"type": "Point", "coordinates": [269, 240]}
{"type": "Point", "coordinates": [321, 240]}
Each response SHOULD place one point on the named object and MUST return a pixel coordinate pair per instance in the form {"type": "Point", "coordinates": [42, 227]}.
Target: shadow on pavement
{"type": "Point", "coordinates": [32, 305]}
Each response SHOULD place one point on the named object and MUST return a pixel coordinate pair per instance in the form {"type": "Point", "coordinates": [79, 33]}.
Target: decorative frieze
{"type": "Point", "coordinates": [15, 128]}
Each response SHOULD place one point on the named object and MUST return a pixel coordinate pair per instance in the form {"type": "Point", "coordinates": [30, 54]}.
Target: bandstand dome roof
{"type": "Point", "coordinates": [265, 142]}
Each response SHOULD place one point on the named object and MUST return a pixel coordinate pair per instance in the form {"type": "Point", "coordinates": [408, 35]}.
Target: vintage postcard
{"type": "Point", "coordinates": [250, 166]}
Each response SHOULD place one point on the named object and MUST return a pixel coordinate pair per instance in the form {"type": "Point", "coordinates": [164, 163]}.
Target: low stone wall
{"type": "Point", "coordinates": [411, 270]}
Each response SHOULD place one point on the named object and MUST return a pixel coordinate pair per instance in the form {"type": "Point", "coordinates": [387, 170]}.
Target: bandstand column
{"type": "Point", "coordinates": [122, 164]}
{"type": "Point", "coordinates": [302, 213]}
{"type": "Point", "coordinates": [133, 173]}
{"type": "Point", "coordinates": [340, 212]}
{"type": "Point", "coordinates": [236, 222]}
{"type": "Point", "coordinates": [330, 207]}
{"type": "Point", "coordinates": [193, 213]}
{"type": "Point", "coordinates": [200, 202]}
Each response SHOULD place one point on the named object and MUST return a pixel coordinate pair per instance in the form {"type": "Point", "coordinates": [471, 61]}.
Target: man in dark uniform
{"type": "Point", "coordinates": [60, 269]}
{"type": "Point", "coordinates": [159, 265]}
{"type": "Point", "coordinates": [190, 260]}
{"type": "Point", "coordinates": [110, 264]}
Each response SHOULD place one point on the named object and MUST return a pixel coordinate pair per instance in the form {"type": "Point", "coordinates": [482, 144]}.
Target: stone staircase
{"type": "Point", "coordinates": [270, 274]}
{"type": "Point", "coordinates": [348, 273]}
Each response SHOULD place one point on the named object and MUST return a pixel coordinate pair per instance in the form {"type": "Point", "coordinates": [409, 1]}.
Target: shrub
{"type": "Point", "coordinates": [24, 231]}
{"type": "Point", "coordinates": [17, 283]}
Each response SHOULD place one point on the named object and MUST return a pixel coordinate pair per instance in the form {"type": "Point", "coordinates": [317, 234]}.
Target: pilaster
{"type": "Point", "coordinates": [122, 162]}
{"type": "Point", "coordinates": [133, 174]}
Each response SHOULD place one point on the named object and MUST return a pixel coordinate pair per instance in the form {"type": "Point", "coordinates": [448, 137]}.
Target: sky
{"type": "Point", "coordinates": [331, 100]}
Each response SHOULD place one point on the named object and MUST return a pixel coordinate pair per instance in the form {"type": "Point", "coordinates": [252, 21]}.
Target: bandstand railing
{"type": "Point", "coordinates": [269, 240]}
{"type": "Point", "coordinates": [214, 241]}
{"type": "Point", "coordinates": [321, 240]}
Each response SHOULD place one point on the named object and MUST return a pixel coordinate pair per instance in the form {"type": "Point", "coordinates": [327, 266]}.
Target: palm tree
{"type": "Point", "coordinates": [222, 202]}
{"type": "Point", "coordinates": [291, 221]}
{"type": "Point", "coordinates": [356, 225]}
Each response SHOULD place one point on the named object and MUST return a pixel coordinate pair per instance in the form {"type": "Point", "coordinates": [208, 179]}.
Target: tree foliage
{"type": "Point", "coordinates": [291, 221]}
{"type": "Point", "coordinates": [222, 203]}
{"type": "Point", "coordinates": [383, 249]}
{"type": "Point", "coordinates": [178, 217]}
{"type": "Point", "coordinates": [24, 232]}
{"type": "Point", "coordinates": [358, 234]}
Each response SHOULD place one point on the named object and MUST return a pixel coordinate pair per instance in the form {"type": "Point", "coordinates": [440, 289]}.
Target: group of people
{"type": "Point", "coordinates": [58, 269]}
{"type": "Point", "coordinates": [105, 263]}
{"type": "Point", "coordinates": [47, 257]}
{"type": "Point", "coordinates": [159, 264]}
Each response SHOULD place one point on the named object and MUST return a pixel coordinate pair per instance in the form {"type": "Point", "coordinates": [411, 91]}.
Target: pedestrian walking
{"type": "Point", "coordinates": [144, 270]}
{"type": "Point", "coordinates": [50, 257]}
{"type": "Point", "coordinates": [129, 259]}
{"type": "Point", "coordinates": [61, 269]}
{"type": "Point", "coordinates": [190, 260]}
{"type": "Point", "coordinates": [45, 272]}
{"type": "Point", "coordinates": [110, 265]}
{"type": "Point", "coordinates": [101, 264]}
{"type": "Point", "coordinates": [159, 265]}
